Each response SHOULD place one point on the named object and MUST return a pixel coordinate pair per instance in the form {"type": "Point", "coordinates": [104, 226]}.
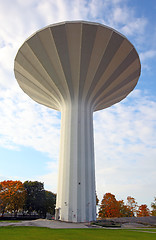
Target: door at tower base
{"type": "Point", "coordinates": [57, 213]}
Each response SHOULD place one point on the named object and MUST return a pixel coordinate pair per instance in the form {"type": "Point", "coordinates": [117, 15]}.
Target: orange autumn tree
{"type": "Point", "coordinates": [109, 207]}
{"type": "Point", "coordinates": [143, 211]}
{"type": "Point", "coordinates": [124, 209]}
{"type": "Point", "coordinates": [12, 196]}
{"type": "Point", "coordinates": [153, 206]}
{"type": "Point", "coordinates": [132, 204]}
{"type": "Point", "coordinates": [3, 200]}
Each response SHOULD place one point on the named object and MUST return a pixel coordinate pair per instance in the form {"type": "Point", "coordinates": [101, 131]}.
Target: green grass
{"type": "Point", "coordinates": [10, 221]}
{"type": "Point", "coordinates": [36, 233]}
{"type": "Point", "coordinates": [146, 229]}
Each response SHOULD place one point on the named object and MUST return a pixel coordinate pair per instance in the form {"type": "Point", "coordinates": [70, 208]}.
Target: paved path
{"type": "Point", "coordinates": [45, 223]}
{"type": "Point", "coordinates": [59, 224]}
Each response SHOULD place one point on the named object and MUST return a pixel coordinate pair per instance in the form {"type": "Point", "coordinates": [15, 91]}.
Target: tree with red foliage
{"type": "Point", "coordinates": [3, 200]}
{"type": "Point", "coordinates": [132, 204]}
{"type": "Point", "coordinates": [143, 211]}
{"type": "Point", "coordinates": [12, 196]}
{"type": "Point", "coordinates": [109, 207]}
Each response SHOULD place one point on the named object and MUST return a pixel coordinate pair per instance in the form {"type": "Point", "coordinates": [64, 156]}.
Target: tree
{"type": "Point", "coordinates": [132, 204]}
{"type": "Point", "coordinates": [18, 197]}
{"type": "Point", "coordinates": [12, 196]}
{"type": "Point", "coordinates": [50, 202]}
{"type": "Point", "coordinates": [35, 198]}
{"type": "Point", "coordinates": [3, 198]}
{"type": "Point", "coordinates": [124, 210]}
{"type": "Point", "coordinates": [109, 207]}
{"type": "Point", "coordinates": [29, 197]}
{"type": "Point", "coordinates": [97, 200]}
{"type": "Point", "coordinates": [153, 206]}
{"type": "Point", "coordinates": [143, 211]}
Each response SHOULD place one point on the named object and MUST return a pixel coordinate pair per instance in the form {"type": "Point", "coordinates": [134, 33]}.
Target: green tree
{"type": "Point", "coordinates": [50, 202]}
{"type": "Point", "coordinates": [35, 197]}
{"type": "Point", "coordinates": [97, 200]}
{"type": "Point", "coordinates": [153, 206]}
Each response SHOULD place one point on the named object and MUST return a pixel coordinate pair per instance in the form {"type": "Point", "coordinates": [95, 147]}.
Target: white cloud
{"type": "Point", "coordinates": [120, 16]}
{"type": "Point", "coordinates": [147, 55]}
{"type": "Point", "coordinates": [146, 58]}
{"type": "Point", "coordinates": [134, 26]}
{"type": "Point", "coordinates": [23, 122]}
{"type": "Point", "coordinates": [51, 11]}
{"type": "Point", "coordinates": [50, 179]}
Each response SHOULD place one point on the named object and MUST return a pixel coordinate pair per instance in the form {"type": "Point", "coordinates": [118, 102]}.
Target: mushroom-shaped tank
{"type": "Point", "coordinates": [77, 68]}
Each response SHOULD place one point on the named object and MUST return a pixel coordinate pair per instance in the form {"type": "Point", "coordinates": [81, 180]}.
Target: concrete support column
{"type": "Point", "coordinates": [76, 198]}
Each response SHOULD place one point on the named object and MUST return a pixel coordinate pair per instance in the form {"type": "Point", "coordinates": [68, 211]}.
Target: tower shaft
{"type": "Point", "coordinates": [76, 200]}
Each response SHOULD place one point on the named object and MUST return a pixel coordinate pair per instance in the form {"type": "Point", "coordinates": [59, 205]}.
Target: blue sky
{"type": "Point", "coordinates": [125, 139]}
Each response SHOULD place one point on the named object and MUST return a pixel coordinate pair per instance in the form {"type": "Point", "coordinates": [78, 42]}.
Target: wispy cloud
{"type": "Point", "coordinates": [25, 123]}
{"type": "Point", "coordinates": [50, 179]}
{"type": "Point", "coordinates": [147, 55]}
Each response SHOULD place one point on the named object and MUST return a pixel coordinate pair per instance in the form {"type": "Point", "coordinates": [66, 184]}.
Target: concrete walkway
{"type": "Point", "coordinates": [45, 223]}
{"type": "Point", "coordinates": [59, 224]}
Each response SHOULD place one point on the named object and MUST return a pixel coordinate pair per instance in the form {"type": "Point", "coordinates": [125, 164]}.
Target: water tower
{"type": "Point", "coordinates": [77, 68]}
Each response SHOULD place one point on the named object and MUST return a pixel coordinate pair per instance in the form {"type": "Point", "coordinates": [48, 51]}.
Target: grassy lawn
{"type": "Point", "coordinates": [146, 229]}
{"type": "Point", "coordinates": [35, 233]}
{"type": "Point", "coordinates": [10, 221]}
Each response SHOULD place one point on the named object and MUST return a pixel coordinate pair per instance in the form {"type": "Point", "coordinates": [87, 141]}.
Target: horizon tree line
{"type": "Point", "coordinates": [27, 198]}
{"type": "Point", "coordinates": [31, 197]}
{"type": "Point", "coordinates": [110, 207]}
